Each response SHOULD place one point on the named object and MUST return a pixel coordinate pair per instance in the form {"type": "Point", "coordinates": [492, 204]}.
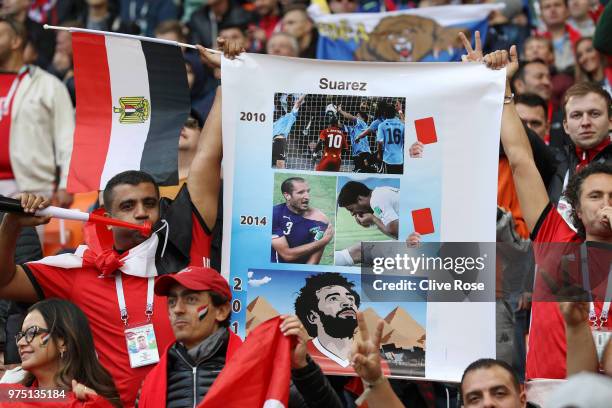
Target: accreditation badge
{"type": "Point", "coordinates": [601, 339]}
{"type": "Point", "coordinates": [141, 345]}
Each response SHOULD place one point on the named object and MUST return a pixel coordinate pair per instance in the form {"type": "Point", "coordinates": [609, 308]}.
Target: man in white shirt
{"type": "Point", "coordinates": [379, 206]}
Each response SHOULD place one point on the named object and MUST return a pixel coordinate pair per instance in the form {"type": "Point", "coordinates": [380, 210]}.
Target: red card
{"type": "Point", "coordinates": [426, 130]}
{"type": "Point", "coordinates": [423, 222]}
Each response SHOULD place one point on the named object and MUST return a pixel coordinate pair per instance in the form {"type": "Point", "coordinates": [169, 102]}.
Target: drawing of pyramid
{"type": "Point", "coordinates": [258, 311]}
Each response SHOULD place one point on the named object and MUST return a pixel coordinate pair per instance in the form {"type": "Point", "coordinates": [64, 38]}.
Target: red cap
{"type": "Point", "coordinates": [195, 278]}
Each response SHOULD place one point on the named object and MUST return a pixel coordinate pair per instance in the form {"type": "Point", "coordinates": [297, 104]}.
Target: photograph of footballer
{"type": "Point", "coordinates": [367, 210]}
{"type": "Point", "coordinates": [302, 219]}
{"type": "Point", "coordinates": [339, 133]}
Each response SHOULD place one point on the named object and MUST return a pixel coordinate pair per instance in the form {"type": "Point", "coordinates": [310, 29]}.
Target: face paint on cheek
{"type": "Point", "coordinates": [44, 339]}
{"type": "Point", "coordinates": [202, 312]}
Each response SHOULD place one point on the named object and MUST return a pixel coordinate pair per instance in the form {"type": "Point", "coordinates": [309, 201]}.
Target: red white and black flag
{"type": "Point", "coordinates": [132, 101]}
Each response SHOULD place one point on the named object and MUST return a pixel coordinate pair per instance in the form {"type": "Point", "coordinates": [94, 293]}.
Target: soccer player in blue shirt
{"type": "Point", "coordinates": [360, 149]}
{"type": "Point", "coordinates": [280, 132]}
{"type": "Point", "coordinates": [373, 127]}
{"type": "Point", "coordinates": [390, 141]}
{"type": "Point", "coordinates": [299, 231]}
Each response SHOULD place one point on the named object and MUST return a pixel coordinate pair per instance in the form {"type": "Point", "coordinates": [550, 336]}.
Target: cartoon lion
{"type": "Point", "coordinates": [408, 38]}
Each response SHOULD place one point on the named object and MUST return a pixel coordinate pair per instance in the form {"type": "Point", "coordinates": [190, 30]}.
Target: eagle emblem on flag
{"type": "Point", "coordinates": [132, 109]}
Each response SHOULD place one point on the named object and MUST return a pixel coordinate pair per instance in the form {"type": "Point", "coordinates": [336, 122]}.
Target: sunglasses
{"type": "Point", "coordinates": [30, 334]}
{"type": "Point", "coordinates": [192, 123]}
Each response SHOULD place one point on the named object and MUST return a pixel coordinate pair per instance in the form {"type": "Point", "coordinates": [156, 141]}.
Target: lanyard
{"type": "Point", "coordinates": [121, 298]}
{"type": "Point", "coordinates": [596, 321]}
{"type": "Point", "coordinates": [6, 101]}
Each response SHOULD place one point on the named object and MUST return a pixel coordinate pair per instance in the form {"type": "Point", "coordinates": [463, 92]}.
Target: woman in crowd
{"type": "Point", "coordinates": [57, 353]}
{"type": "Point", "coordinates": [591, 65]}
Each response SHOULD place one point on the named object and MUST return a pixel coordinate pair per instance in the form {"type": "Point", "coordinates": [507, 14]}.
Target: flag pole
{"type": "Point", "coordinates": [135, 37]}
{"type": "Point", "coordinates": [11, 205]}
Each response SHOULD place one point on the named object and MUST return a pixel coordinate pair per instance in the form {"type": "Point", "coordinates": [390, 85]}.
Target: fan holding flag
{"type": "Point", "coordinates": [208, 362]}
{"type": "Point", "coordinates": [111, 278]}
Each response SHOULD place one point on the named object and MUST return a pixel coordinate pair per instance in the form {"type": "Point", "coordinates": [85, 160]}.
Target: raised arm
{"type": "Point", "coordinates": [299, 101]}
{"type": "Point", "coordinates": [581, 353]}
{"type": "Point", "coordinates": [398, 109]}
{"type": "Point", "coordinates": [345, 114]}
{"type": "Point", "coordinates": [530, 188]}
{"type": "Point", "coordinates": [204, 179]}
{"type": "Point", "coordinates": [14, 283]}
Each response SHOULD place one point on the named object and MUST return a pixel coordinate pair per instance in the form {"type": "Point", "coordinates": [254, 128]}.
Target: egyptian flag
{"type": "Point", "coordinates": [261, 370]}
{"type": "Point", "coordinates": [202, 312]}
{"type": "Point", "coordinates": [132, 101]}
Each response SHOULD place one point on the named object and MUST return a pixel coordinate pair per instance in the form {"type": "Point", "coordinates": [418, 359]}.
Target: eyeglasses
{"type": "Point", "coordinates": [192, 123]}
{"type": "Point", "coordinates": [30, 333]}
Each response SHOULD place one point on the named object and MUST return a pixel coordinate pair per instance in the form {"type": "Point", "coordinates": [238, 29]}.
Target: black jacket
{"type": "Point", "coordinates": [567, 161]}
{"type": "Point", "coordinates": [188, 379]}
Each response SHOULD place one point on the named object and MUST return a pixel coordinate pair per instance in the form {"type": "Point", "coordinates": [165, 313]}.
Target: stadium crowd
{"type": "Point", "coordinates": [554, 185]}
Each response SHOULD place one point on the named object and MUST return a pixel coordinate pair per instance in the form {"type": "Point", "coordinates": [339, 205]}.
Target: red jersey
{"type": "Point", "coordinates": [546, 356]}
{"type": "Point", "coordinates": [97, 298]}
{"type": "Point", "coordinates": [6, 101]}
{"type": "Point", "coordinates": [334, 141]}
{"type": "Point", "coordinates": [188, 243]}
{"type": "Point", "coordinates": [334, 365]}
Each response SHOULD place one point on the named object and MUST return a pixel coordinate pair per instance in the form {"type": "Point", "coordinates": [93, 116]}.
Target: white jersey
{"type": "Point", "coordinates": [385, 203]}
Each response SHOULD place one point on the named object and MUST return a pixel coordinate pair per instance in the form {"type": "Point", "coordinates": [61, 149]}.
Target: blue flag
{"type": "Point", "coordinates": [425, 34]}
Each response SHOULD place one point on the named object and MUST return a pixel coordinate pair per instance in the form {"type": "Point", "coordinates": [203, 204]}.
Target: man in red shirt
{"type": "Point", "coordinates": [268, 16]}
{"type": "Point", "coordinates": [332, 140]}
{"type": "Point", "coordinates": [112, 278]}
{"type": "Point", "coordinates": [8, 81]}
{"type": "Point", "coordinates": [589, 192]}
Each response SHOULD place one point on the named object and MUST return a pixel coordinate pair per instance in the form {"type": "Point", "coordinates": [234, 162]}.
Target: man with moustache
{"type": "Point", "coordinates": [199, 311]}
{"type": "Point", "coordinates": [327, 306]}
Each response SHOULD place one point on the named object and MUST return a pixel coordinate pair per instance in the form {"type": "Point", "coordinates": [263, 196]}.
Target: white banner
{"type": "Point", "coordinates": [377, 151]}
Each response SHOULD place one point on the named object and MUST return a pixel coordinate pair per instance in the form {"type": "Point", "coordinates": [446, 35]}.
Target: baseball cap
{"type": "Point", "coordinates": [194, 278]}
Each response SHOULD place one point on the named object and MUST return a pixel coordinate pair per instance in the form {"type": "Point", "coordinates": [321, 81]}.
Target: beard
{"type": "Point", "coordinates": [339, 327]}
